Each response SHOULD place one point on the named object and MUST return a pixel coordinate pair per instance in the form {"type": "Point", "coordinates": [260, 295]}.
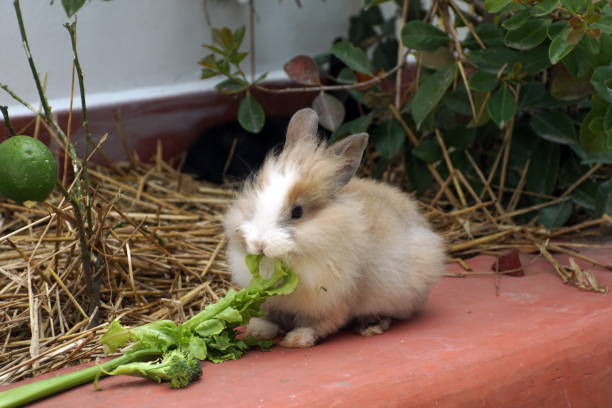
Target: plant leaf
{"type": "Point", "coordinates": [493, 6]}
{"type": "Point", "coordinates": [604, 24]}
{"type": "Point", "coordinates": [567, 87]}
{"type": "Point", "coordinates": [389, 138]}
{"type": "Point", "coordinates": [354, 57]}
{"type": "Point", "coordinates": [576, 6]}
{"type": "Point", "coordinates": [483, 81]}
{"type": "Point", "coordinates": [560, 45]}
{"type": "Point", "coordinates": [535, 60]}
{"type": "Point", "coordinates": [251, 115]}
{"type": "Point", "coordinates": [303, 70]}
{"type": "Point", "coordinates": [72, 6]}
{"type": "Point", "coordinates": [603, 199]}
{"type": "Point", "coordinates": [330, 110]}
{"type": "Point", "coordinates": [517, 20]}
{"type": "Point", "coordinates": [557, 215]}
{"type": "Point", "coordinates": [529, 35]}
{"type": "Point", "coordinates": [554, 126]}
{"type": "Point", "coordinates": [493, 59]}
{"type": "Point", "coordinates": [502, 106]}
{"type": "Point", "coordinates": [359, 125]}
{"type": "Point", "coordinates": [543, 169]}
{"type": "Point", "coordinates": [590, 141]}
{"type": "Point", "coordinates": [602, 82]}
{"type": "Point", "coordinates": [430, 92]}
{"type": "Point", "coordinates": [428, 151]}
{"type": "Point", "coordinates": [544, 7]}
{"type": "Point", "coordinates": [459, 137]}
{"type": "Point", "coordinates": [232, 86]}
{"type": "Point", "coordinates": [421, 36]}
{"type": "Point", "coordinates": [418, 175]}
{"type": "Point", "coordinates": [372, 3]}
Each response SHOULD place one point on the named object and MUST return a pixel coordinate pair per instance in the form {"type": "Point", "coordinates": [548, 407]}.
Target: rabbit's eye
{"type": "Point", "coordinates": [297, 212]}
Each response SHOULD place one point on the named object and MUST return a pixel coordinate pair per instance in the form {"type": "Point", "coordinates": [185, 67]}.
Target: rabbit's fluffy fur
{"type": "Point", "coordinates": [361, 249]}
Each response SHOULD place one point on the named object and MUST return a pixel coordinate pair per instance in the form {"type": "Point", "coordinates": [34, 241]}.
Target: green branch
{"type": "Point", "coordinates": [7, 120]}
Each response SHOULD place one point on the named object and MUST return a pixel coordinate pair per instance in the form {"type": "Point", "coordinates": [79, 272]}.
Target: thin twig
{"type": "Point", "coordinates": [7, 120]}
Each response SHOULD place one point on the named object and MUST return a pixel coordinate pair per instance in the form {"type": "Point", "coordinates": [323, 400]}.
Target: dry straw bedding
{"type": "Point", "coordinates": [160, 248]}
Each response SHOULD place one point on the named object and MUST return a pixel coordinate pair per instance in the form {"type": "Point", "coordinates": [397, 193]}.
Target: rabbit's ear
{"type": "Point", "coordinates": [350, 150]}
{"type": "Point", "coordinates": [303, 124]}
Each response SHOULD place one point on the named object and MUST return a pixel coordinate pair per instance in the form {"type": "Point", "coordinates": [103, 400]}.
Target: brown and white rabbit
{"type": "Point", "coordinates": [361, 249]}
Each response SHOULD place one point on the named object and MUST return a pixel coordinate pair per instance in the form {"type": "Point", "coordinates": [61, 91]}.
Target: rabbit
{"type": "Point", "coordinates": [362, 251]}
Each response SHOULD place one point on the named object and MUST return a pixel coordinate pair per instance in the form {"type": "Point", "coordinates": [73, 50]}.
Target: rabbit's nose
{"type": "Point", "coordinates": [255, 247]}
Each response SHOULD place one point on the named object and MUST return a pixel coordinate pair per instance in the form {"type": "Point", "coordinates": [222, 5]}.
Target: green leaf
{"type": "Point", "coordinates": [544, 7]}
{"type": "Point", "coordinates": [232, 86]}
{"type": "Point", "coordinates": [603, 199]}
{"type": "Point", "coordinates": [602, 82]}
{"type": "Point", "coordinates": [430, 92]}
{"type": "Point", "coordinates": [459, 137]}
{"type": "Point", "coordinates": [418, 175]}
{"type": "Point", "coordinates": [457, 101]}
{"type": "Point", "coordinates": [223, 37]}
{"type": "Point", "coordinates": [436, 60]}
{"type": "Point", "coordinates": [251, 115]}
{"type": "Point", "coordinates": [372, 3]}
{"type": "Point", "coordinates": [230, 315]}
{"type": "Point", "coordinates": [354, 57]}
{"type": "Point", "coordinates": [428, 151]}
{"type": "Point", "coordinates": [560, 46]}
{"type": "Point", "coordinates": [605, 47]}
{"type": "Point", "coordinates": [483, 81]}
{"type": "Point", "coordinates": [554, 126]}
{"type": "Point", "coordinates": [210, 327]}
{"type": "Point", "coordinates": [493, 59]}
{"type": "Point", "coordinates": [590, 141]}
{"type": "Point", "coordinates": [490, 34]}
{"type": "Point", "coordinates": [116, 336]}
{"type": "Point", "coordinates": [480, 98]}
{"type": "Point", "coordinates": [557, 215]}
{"type": "Point", "coordinates": [346, 76]}
{"type": "Point", "coordinates": [567, 87]}
{"type": "Point", "coordinates": [543, 169]}
{"type": "Point", "coordinates": [604, 24]}
{"type": "Point", "coordinates": [529, 35]}
{"type": "Point", "coordinates": [517, 20]}
{"type": "Point", "coordinates": [330, 110]}
{"type": "Point", "coordinates": [389, 138]}
{"type": "Point", "coordinates": [385, 54]}
{"type": "Point", "coordinates": [576, 6]}
{"type": "Point", "coordinates": [238, 37]}
{"type": "Point", "coordinates": [72, 6]}
{"type": "Point", "coordinates": [493, 6]}
{"type": "Point", "coordinates": [585, 195]}
{"type": "Point", "coordinates": [502, 106]}
{"type": "Point", "coordinates": [581, 61]}
{"type": "Point", "coordinates": [535, 60]}
{"type": "Point", "coordinates": [197, 347]}
{"type": "Point", "coordinates": [421, 36]}
{"type": "Point", "coordinates": [359, 125]}
{"type": "Point", "coordinates": [555, 28]}
{"type": "Point", "coordinates": [607, 122]}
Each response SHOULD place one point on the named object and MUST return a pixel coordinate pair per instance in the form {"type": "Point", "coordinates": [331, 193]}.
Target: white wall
{"type": "Point", "coordinates": [133, 49]}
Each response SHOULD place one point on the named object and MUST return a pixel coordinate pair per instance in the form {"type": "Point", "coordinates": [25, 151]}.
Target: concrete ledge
{"type": "Point", "coordinates": [539, 344]}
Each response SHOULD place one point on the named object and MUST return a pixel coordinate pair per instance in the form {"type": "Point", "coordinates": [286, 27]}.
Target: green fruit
{"type": "Point", "coordinates": [28, 171]}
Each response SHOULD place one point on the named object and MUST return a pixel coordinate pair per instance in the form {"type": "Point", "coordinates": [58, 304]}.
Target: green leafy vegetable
{"type": "Point", "coordinates": [210, 334]}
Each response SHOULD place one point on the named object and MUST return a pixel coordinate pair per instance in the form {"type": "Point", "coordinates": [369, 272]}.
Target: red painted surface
{"type": "Point", "coordinates": [539, 344]}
